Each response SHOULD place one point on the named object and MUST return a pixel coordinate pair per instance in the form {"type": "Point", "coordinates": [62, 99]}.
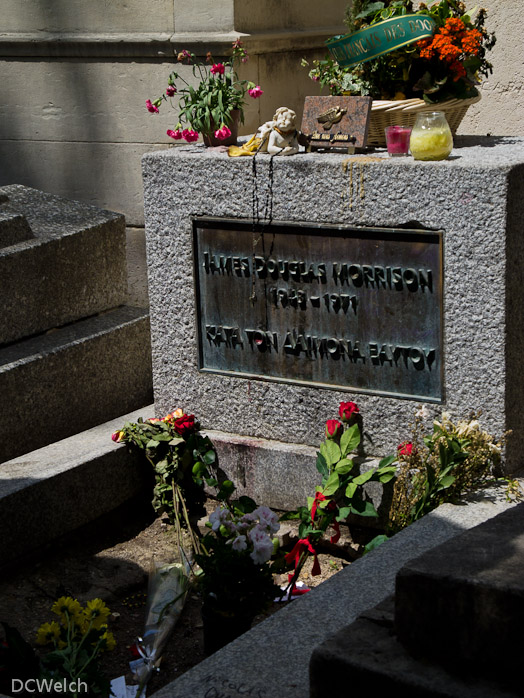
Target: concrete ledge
{"type": "Point", "coordinates": [61, 383]}
{"type": "Point", "coordinates": [288, 638]}
{"type": "Point", "coordinates": [56, 489]}
{"type": "Point", "coordinates": [155, 45]}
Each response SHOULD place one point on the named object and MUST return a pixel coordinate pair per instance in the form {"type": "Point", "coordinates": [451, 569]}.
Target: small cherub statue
{"type": "Point", "coordinates": [280, 136]}
{"type": "Point", "coordinates": [276, 137]}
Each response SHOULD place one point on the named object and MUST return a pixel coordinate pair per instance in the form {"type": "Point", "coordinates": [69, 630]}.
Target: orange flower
{"type": "Point", "coordinates": [471, 42]}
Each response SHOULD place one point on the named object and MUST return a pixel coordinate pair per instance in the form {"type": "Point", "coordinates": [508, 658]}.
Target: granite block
{"type": "Point", "coordinates": [73, 378]}
{"type": "Point", "coordinates": [476, 198]}
{"type": "Point", "coordinates": [71, 264]}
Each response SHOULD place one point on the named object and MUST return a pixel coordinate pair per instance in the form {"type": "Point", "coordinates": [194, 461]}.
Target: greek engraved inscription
{"type": "Point", "coordinates": [358, 308]}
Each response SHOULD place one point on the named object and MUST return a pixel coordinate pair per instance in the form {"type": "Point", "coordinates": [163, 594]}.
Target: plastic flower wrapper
{"type": "Point", "coordinates": [167, 591]}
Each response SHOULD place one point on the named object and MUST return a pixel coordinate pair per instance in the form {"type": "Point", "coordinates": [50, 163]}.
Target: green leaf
{"type": "Point", "coordinates": [362, 508]}
{"type": "Point", "coordinates": [322, 465]}
{"type": "Point", "coordinates": [332, 485]}
{"type": "Point", "coordinates": [245, 504]}
{"type": "Point", "coordinates": [446, 482]}
{"type": "Point", "coordinates": [388, 460]}
{"type": "Point", "coordinates": [387, 476]}
{"type": "Point", "coordinates": [350, 439]}
{"type": "Point", "coordinates": [344, 466]}
{"type": "Point", "coordinates": [370, 10]}
{"type": "Point", "coordinates": [364, 477]}
{"type": "Point", "coordinates": [151, 444]}
{"type": "Point", "coordinates": [209, 457]}
{"type": "Point", "coordinates": [177, 440]}
{"type": "Point", "coordinates": [343, 513]}
{"type": "Point", "coordinates": [375, 542]}
{"type": "Point", "coordinates": [164, 436]}
{"type": "Point", "coordinates": [350, 490]}
{"type": "Point", "coordinates": [331, 452]}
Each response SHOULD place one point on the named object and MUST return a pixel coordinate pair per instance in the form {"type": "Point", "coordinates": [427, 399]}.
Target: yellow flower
{"type": "Point", "coordinates": [108, 641]}
{"type": "Point", "coordinates": [97, 613]}
{"type": "Point", "coordinates": [48, 632]}
{"type": "Point", "coordinates": [66, 608]}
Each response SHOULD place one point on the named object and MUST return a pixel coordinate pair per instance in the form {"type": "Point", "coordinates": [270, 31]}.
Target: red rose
{"type": "Point", "coordinates": [185, 424]}
{"type": "Point", "coordinates": [334, 429]}
{"type": "Point", "coordinates": [405, 449]}
{"type": "Point", "coordinates": [347, 410]}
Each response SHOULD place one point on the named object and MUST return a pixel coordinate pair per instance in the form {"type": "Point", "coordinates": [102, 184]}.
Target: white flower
{"type": "Point", "coordinates": [218, 517]}
{"type": "Point", "coordinates": [262, 545]}
{"type": "Point", "coordinates": [422, 412]}
{"type": "Point", "coordinates": [239, 543]}
{"type": "Point", "coordinates": [267, 518]}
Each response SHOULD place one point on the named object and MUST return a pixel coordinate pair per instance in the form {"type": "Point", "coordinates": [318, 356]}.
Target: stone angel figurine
{"type": "Point", "coordinates": [276, 137]}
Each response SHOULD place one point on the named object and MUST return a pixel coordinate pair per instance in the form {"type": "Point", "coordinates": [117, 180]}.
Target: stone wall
{"type": "Point", "coordinates": [76, 76]}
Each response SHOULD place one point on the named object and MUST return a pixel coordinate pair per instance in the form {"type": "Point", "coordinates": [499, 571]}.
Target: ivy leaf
{"type": "Point", "coordinates": [209, 457]}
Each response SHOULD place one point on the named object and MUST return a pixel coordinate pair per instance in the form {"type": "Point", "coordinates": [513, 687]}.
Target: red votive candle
{"type": "Point", "coordinates": [397, 140]}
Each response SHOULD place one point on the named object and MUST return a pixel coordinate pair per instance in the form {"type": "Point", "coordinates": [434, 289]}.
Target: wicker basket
{"type": "Point", "coordinates": [404, 112]}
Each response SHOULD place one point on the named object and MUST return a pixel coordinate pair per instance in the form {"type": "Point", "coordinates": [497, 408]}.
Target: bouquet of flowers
{"type": "Point", "coordinates": [237, 564]}
{"type": "Point", "coordinates": [209, 107]}
{"type": "Point", "coordinates": [168, 587]}
{"type": "Point", "coordinates": [181, 458]}
{"type": "Point", "coordinates": [449, 64]}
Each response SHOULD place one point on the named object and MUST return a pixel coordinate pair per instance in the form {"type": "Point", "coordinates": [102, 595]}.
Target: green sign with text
{"type": "Point", "coordinates": [380, 38]}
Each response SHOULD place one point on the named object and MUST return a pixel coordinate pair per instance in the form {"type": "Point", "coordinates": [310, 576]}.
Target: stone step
{"type": "Point", "coordinates": [60, 261]}
{"type": "Point", "coordinates": [470, 592]}
{"type": "Point", "coordinates": [68, 380]}
{"type": "Point", "coordinates": [452, 629]}
{"type": "Point", "coordinates": [53, 490]}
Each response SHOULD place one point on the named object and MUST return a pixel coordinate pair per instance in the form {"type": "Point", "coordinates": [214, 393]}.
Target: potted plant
{"type": "Point", "coordinates": [215, 106]}
{"type": "Point", "coordinates": [236, 569]}
{"type": "Point", "coordinates": [444, 66]}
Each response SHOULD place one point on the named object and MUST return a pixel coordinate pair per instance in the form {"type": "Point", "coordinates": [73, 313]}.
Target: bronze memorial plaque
{"type": "Point", "coordinates": [336, 122]}
{"type": "Point", "coordinates": [348, 308]}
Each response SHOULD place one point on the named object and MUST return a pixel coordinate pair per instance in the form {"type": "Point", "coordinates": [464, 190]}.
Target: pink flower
{"type": "Point", "coordinates": [218, 69]}
{"type": "Point", "coordinates": [189, 135]}
{"type": "Point", "coordinates": [255, 92]}
{"type": "Point", "coordinates": [405, 449]}
{"type": "Point", "coordinates": [170, 90]}
{"type": "Point", "coordinates": [222, 133]}
{"type": "Point", "coordinates": [118, 436]}
{"type": "Point", "coordinates": [151, 107]}
{"type": "Point", "coordinates": [176, 135]}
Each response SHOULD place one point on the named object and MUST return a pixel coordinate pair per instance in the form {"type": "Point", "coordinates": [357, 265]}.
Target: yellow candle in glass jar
{"type": "Point", "coordinates": [431, 137]}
